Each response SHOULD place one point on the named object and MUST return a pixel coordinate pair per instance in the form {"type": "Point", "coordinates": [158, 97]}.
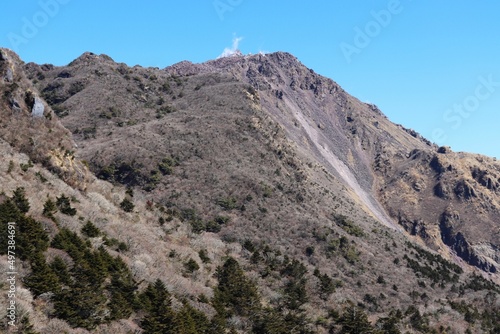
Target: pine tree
{"type": "Point", "coordinates": [69, 242]}
{"type": "Point", "coordinates": [49, 208]}
{"type": "Point", "coordinates": [90, 230]}
{"type": "Point", "coordinates": [355, 321]}
{"type": "Point", "coordinates": [234, 290]}
{"type": "Point", "coordinates": [41, 279]}
{"type": "Point", "coordinates": [186, 324]}
{"type": "Point", "coordinates": [269, 321]}
{"type": "Point", "coordinates": [59, 267]}
{"type": "Point", "coordinates": [64, 205]}
{"type": "Point", "coordinates": [127, 205]}
{"type": "Point", "coordinates": [31, 237]}
{"type": "Point", "coordinates": [81, 305]}
{"type": "Point", "coordinates": [389, 324]}
{"type": "Point", "coordinates": [8, 213]}
{"type": "Point", "coordinates": [157, 302]}
{"type": "Point", "coordinates": [295, 293]}
{"type": "Point", "coordinates": [122, 288]}
{"type": "Point", "coordinates": [20, 200]}
{"type": "Point", "coordinates": [199, 319]}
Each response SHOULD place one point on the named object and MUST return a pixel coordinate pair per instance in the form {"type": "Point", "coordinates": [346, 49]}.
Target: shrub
{"type": "Point", "coordinates": [309, 250]}
{"type": "Point", "coordinates": [63, 204]}
{"type": "Point", "coordinates": [203, 256]}
{"type": "Point", "coordinates": [49, 208]}
{"type": "Point", "coordinates": [25, 167]}
{"type": "Point", "coordinates": [127, 205]}
{"type": "Point", "coordinates": [90, 230]}
{"type": "Point", "coordinates": [11, 166]}
{"type": "Point", "coordinates": [227, 203]}
{"type": "Point", "coordinates": [191, 266]}
{"type": "Point", "coordinates": [213, 226]}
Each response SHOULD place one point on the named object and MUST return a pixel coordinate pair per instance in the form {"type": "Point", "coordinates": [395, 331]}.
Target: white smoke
{"type": "Point", "coordinates": [233, 50]}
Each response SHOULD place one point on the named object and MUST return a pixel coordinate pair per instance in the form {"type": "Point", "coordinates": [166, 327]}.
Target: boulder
{"type": "Point", "coordinates": [9, 76]}
{"type": "Point", "coordinates": [38, 108]}
{"type": "Point", "coordinates": [464, 190]}
{"type": "Point", "coordinates": [14, 104]}
{"type": "Point", "coordinates": [441, 190]}
{"type": "Point", "coordinates": [444, 150]}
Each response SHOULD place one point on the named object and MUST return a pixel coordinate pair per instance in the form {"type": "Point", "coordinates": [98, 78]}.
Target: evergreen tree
{"type": "Point", "coordinates": [20, 200]}
{"type": "Point", "coordinates": [157, 302]}
{"type": "Point", "coordinates": [269, 321]}
{"type": "Point", "coordinates": [69, 242]}
{"type": "Point", "coordinates": [197, 318]}
{"type": "Point", "coordinates": [59, 267]}
{"type": "Point", "coordinates": [31, 237]}
{"type": "Point", "coordinates": [49, 208]}
{"type": "Point", "coordinates": [82, 304]}
{"type": "Point", "coordinates": [127, 205]}
{"type": "Point", "coordinates": [295, 293]}
{"type": "Point", "coordinates": [8, 213]}
{"type": "Point", "coordinates": [355, 321]}
{"type": "Point", "coordinates": [90, 230]}
{"type": "Point", "coordinates": [186, 324]}
{"type": "Point", "coordinates": [30, 234]}
{"type": "Point", "coordinates": [389, 324]}
{"type": "Point", "coordinates": [41, 279]}
{"type": "Point", "coordinates": [122, 289]}
{"type": "Point", "coordinates": [64, 205]}
{"type": "Point", "coordinates": [234, 290]}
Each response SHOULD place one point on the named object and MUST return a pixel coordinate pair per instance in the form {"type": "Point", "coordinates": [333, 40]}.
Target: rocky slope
{"type": "Point", "coordinates": [374, 158]}
{"type": "Point", "coordinates": [323, 201]}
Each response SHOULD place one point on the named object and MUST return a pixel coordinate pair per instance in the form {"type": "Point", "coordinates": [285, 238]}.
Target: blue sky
{"type": "Point", "coordinates": [431, 66]}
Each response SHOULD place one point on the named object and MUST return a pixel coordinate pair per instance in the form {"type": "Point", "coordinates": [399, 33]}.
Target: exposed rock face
{"type": "Point", "coordinates": [460, 245]}
{"type": "Point", "coordinates": [442, 190]}
{"type": "Point", "coordinates": [9, 76]}
{"type": "Point", "coordinates": [14, 104]}
{"type": "Point", "coordinates": [464, 190]}
{"type": "Point", "coordinates": [38, 107]}
{"type": "Point", "coordinates": [25, 126]}
{"type": "Point", "coordinates": [437, 165]}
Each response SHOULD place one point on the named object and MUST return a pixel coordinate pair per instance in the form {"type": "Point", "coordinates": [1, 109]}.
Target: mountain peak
{"type": "Point", "coordinates": [90, 57]}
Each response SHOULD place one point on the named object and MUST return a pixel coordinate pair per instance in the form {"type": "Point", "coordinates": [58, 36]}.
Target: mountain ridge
{"type": "Point", "coordinates": [260, 160]}
{"type": "Point", "coordinates": [344, 133]}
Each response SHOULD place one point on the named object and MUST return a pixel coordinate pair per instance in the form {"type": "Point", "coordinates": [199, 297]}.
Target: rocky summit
{"type": "Point", "coordinates": [246, 194]}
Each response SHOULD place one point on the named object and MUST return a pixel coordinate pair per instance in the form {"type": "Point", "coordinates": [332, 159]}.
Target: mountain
{"type": "Point", "coordinates": [254, 169]}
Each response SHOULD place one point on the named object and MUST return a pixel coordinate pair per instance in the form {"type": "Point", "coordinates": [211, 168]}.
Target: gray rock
{"type": "Point", "coordinates": [38, 108]}
{"type": "Point", "coordinates": [14, 104]}
{"type": "Point", "coordinates": [9, 76]}
{"type": "Point", "coordinates": [444, 149]}
{"type": "Point", "coordinates": [3, 57]}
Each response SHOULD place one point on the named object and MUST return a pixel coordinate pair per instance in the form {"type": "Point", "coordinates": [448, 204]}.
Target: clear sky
{"type": "Point", "coordinates": [433, 66]}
